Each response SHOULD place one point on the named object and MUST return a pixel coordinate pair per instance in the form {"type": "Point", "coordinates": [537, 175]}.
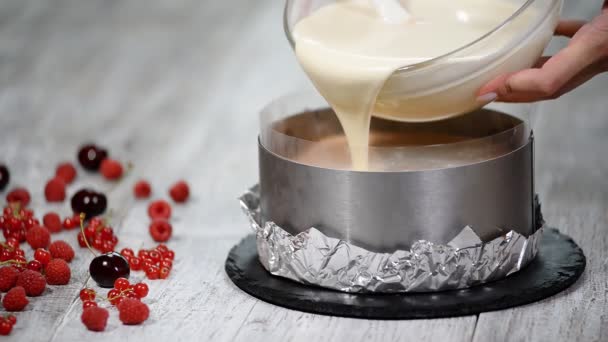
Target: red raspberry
{"type": "Point", "coordinates": [38, 237]}
{"type": "Point", "coordinates": [133, 311]}
{"type": "Point", "coordinates": [58, 272]}
{"type": "Point", "coordinates": [8, 278]}
{"type": "Point", "coordinates": [160, 230]}
{"type": "Point", "coordinates": [20, 195]}
{"type": "Point", "coordinates": [95, 318]}
{"type": "Point", "coordinates": [61, 250]}
{"type": "Point", "coordinates": [159, 209]}
{"type": "Point", "coordinates": [111, 169]}
{"type": "Point", "coordinates": [52, 222]}
{"type": "Point", "coordinates": [179, 192]}
{"type": "Point", "coordinates": [142, 189]}
{"type": "Point", "coordinates": [15, 299]}
{"type": "Point", "coordinates": [54, 191]}
{"type": "Point", "coordinates": [32, 281]}
{"type": "Point", "coordinates": [66, 171]}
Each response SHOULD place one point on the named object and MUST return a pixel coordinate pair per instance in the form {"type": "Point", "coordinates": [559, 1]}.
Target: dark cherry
{"type": "Point", "coordinates": [89, 202]}
{"type": "Point", "coordinates": [106, 268]}
{"type": "Point", "coordinates": [90, 156]}
{"type": "Point", "coordinates": [4, 177]}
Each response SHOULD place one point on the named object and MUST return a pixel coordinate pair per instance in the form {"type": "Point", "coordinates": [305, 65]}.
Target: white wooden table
{"type": "Point", "coordinates": [174, 87]}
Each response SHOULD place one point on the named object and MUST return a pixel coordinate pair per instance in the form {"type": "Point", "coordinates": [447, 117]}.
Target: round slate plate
{"type": "Point", "coordinates": [559, 264]}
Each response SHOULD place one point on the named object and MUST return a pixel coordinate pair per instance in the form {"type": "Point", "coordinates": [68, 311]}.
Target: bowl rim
{"type": "Point", "coordinates": [440, 58]}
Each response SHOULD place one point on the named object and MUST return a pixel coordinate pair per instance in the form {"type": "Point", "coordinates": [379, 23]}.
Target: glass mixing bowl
{"type": "Point", "coordinates": [447, 85]}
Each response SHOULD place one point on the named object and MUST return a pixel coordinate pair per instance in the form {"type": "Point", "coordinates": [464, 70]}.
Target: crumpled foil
{"type": "Point", "coordinates": [313, 258]}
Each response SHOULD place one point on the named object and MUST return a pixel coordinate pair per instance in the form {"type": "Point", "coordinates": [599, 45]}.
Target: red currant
{"type": "Point", "coordinates": [127, 252]}
{"type": "Point", "coordinates": [114, 296]}
{"type": "Point", "coordinates": [141, 290]}
{"type": "Point", "coordinates": [121, 284]}
{"type": "Point", "coordinates": [43, 256]}
{"type": "Point", "coordinates": [88, 304]}
{"type": "Point", "coordinates": [5, 328]}
{"type": "Point", "coordinates": [155, 256]}
{"type": "Point", "coordinates": [169, 255]}
{"type": "Point", "coordinates": [135, 263]}
{"type": "Point", "coordinates": [166, 263]}
{"type": "Point", "coordinates": [87, 294]}
{"type": "Point", "coordinates": [152, 272]}
{"type": "Point", "coordinates": [11, 319]}
{"type": "Point", "coordinates": [34, 265]}
{"type": "Point", "coordinates": [12, 242]}
{"type": "Point", "coordinates": [68, 223]}
{"type": "Point", "coordinates": [164, 273]}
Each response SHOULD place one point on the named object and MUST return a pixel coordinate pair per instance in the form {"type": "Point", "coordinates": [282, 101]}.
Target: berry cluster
{"type": "Point", "coordinates": [98, 235]}
{"type": "Point", "coordinates": [6, 324]}
{"type": "Point", "coordinates": [21, 278]}
{"type": "Point", "coordinates": [16, 220]}
{"type": "Point", "coordinates": [11, 253]}
{"type": "Point", "coordinates": [156, 263]}
{"type": "Point", "coordinates": [124, 296]}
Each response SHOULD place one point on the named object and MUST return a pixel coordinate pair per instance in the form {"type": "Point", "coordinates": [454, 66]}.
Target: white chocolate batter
{"type": "Point", "coordinates": [349, 51]}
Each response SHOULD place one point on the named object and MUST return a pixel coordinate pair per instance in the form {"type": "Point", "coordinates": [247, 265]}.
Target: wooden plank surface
{"type": "Point", "coordinates": [175, 87]}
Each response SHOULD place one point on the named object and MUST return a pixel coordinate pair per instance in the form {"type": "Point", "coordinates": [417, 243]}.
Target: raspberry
{"type": "Point", "coordinates": [20, 195]}
{"type": "Point", "coordinates": [111, 169]}
{"type": "Point", "coordinates": [61, 250]}
{"type": "Point", "coordinates": [95, 318]}
{"type": "Point", "coordinates": [32, 281]}
{"type": "Point", "coordinates": [15, 299]}
{"type": "Point", "coordinates": [58, 272]}
{"type": "Point", "coordinates": [160, 230]}
{"type": "Point", "coordinates": [38, 237]}
{"type": "Point", "coordinates": [159, 210]}
{"type": "Point", "coordinates": [54, 191]}
{"type": "Point", "coordinates": [52, 222]}
{"type": "Point", "coordinates": [142, 189]}
{"type": "Point", "coordinates": [66, 171]}
{"type": "Point", "coordinates": [8, 278]}
{"type": "Point", "coordinates": [133, 311]}
{"type": "Point", "coordinates": [179, 192]}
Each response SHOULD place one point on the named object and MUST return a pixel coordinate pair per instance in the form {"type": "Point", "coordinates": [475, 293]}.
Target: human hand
{"type": "Point", "coordinates": [585, 56]}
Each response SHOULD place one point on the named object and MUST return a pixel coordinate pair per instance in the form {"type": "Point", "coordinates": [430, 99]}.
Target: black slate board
{"type": "Point", "coordinates": [559, 264]}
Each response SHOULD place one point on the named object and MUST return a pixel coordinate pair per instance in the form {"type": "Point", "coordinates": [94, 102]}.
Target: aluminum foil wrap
{"type": "Point", "coordinates": [313, 258]}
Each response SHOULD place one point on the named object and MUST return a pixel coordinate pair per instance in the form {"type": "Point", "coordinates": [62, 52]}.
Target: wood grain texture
{"type": "Point", "coordinates": [175, 87]}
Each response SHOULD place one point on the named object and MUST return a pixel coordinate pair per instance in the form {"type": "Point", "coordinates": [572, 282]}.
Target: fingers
{"type": "Point", "coordinates": [545, 82]}
{"type": "Point", "coordinates": [585, 75]}
{"type": "Point", "coordinates": [568, 28]}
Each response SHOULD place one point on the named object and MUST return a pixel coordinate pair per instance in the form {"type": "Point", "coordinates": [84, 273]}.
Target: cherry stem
{"type": "Point", "coordinates": [86, 241]}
